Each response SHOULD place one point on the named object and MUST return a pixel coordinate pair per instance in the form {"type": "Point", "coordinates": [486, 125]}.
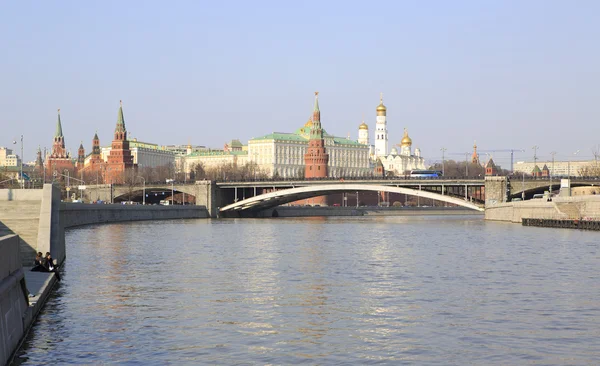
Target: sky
{"type": "Point", "coordinates": [507, 74]}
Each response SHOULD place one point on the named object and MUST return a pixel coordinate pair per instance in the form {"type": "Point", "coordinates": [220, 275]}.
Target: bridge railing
{"type": "Point", "coordinates": [350, 179]}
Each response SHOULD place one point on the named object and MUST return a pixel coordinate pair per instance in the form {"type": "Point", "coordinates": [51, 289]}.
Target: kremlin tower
{"type": "Point", "coordinates": [59, 160]}
{"type": "Point", "coordinates": [381, 134]}
{"type": "Point", "coordinates": [80, 157]}
{"type": "Point", "coordinates": [316, 158]}
{"type": "Point", "coordinates": [119, 158]}
{"type": "Point", "coordinates": [475, 156]}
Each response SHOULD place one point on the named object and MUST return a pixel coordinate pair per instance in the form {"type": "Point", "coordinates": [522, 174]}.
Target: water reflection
{"type": "Point", "coordinates": [328, 291]}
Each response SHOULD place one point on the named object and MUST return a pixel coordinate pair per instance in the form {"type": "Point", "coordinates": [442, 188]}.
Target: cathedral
{"type": "Point", "coordinates": [393, 162]}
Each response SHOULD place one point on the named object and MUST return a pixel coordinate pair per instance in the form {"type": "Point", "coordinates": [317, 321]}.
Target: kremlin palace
{"type": "Point", "coordinates": [310, 151]}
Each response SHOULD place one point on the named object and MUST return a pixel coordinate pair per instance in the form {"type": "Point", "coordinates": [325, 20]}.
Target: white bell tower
{"type": "Point", "coordinates": [381, 134]}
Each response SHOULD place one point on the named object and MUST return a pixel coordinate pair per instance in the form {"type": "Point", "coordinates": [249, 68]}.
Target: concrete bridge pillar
{"type": "Point", "coordinates": [209, 195]}
{"type": "Point", "coordinates": [496, 189]}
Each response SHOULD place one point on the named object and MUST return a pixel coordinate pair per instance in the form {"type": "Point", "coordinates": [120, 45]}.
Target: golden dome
{"type": "Point", "coordinates": [406, 141]}
{"type": "Point", "coordinates": [381, 107]}
{"type": "Point", "coordinates": [363, 126]}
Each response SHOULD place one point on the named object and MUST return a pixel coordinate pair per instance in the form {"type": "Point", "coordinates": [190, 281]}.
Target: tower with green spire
{"type": "Point", "coordinates": [316, 158]}
{"type": "Point", "coordinates": [59, 159]}
{"type": "Point", "coordinates": [120, 159]}
{"type": "Point", "coordinates": [58, 147]}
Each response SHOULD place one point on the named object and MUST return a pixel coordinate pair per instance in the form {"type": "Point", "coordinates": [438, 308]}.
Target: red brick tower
{"type": "Point", "coordinates": [316, 158]}
{"type": "Point", "coordinates": [80, 157]}
{"type": "Point", "coordinates": [475, 156]}
{"type": "Point", "coordinates": [59, 160]}
{"type": "Point", "coordinates": [491, 168]}
{"type": "Point", "coordinates": [119, 158]}
{"type": "Point", "coordinates": [39, 162]}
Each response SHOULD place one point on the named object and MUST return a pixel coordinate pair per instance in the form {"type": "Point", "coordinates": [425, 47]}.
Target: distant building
{"type": "Point", "coordinates": [8, 158]}
{"type": "Point", "coordinates": [556, 168]}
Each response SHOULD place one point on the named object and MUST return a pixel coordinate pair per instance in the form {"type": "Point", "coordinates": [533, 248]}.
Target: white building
{"type": "Point", "coordinates": [213, 158]}
{"type": "Point", "coordinates": [381, 134]}
{"type": "Point", "coordinates": [282, 154]}
{"type": "Point", "coordinates": [8, 158]}
{"type": "Point", "coordinates": [556, 169]}
{"type": "Point", "coordinates": [405, 161]}
{"type": "Point", "coordinates": [146, 155]}
{"type": "Point", "coordinates": [398, 163]}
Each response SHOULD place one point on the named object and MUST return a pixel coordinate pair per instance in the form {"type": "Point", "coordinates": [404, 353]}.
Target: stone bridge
{"type": "Point", "coordinates": [276, 198]}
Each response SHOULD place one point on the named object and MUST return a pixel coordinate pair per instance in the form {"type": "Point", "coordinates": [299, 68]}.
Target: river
{"type": "Point", "coordinates": [449, 290]}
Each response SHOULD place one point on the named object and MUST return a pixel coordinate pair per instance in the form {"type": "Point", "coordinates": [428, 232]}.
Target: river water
{"type": "Point", "coordinates": [360, 290]}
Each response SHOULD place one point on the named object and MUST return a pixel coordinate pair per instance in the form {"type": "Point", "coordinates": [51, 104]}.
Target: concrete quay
{"type": "Point", "coordinates": [34, 221]}
{"type": "Point", "coordinates": [573, 208]}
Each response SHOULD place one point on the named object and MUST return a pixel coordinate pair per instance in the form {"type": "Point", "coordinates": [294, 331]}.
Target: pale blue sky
{"type": "Point", "coordinates": [509, 74]}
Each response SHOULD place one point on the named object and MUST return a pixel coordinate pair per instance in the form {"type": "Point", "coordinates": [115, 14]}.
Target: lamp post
{"type": "Point", "coordinates": [172, 191]}
{"type": "Point", "coordinates": [443, 150]}
{"type": "Point", "coordinates": [144, 194]}
{"type": "Point", "coordinates": [22, 178]}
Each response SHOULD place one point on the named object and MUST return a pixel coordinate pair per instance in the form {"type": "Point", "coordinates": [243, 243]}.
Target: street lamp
{"type": "Point", "coordinates": [443, 150]}
{"type": "Point", "coordinates": [172, 194]}
{"type": "Point", "coordinates": [144, 194]}
{"type": "Point", "coordinates": [22, 179]}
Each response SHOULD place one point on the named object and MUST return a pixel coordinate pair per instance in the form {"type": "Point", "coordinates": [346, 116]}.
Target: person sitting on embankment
{"type": "Point", "coordinates": [49, 265]}
{"type": "Point", "coordinates": [38, 263]}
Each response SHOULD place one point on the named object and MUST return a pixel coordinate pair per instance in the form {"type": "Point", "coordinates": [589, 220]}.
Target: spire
{"type": "Point", "coordinates": [96, 136]}
{"type": "Point", "coordinates": [81, 144]}
{"type": "Point", "coordinates": [59, 132]}
{"type": "Point", "coordinates": [120, 119]}
{"type": "Point", "coordinates": [316, 131]}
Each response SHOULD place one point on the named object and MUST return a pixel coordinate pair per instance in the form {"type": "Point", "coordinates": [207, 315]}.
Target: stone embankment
{"type": "Point", "coordinates": [34, 221]}
{"type": "Point", "coordinates": [585, 208]}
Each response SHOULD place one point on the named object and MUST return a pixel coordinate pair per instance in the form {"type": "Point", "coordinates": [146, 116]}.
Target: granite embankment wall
{"type": "Point", "coordinates": [13, 297]}
{"type": "Point", "coordinates": [77, 214]}
{"type": "Point", "coordinates": [39, 218]}
{"type": "Point", "coordinates": [579, 207]}
{"type": "Point", "coordinates": [35, 220]}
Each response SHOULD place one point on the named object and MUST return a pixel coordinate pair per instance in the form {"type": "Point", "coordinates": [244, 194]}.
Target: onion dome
{"type": "Point", "coordinates": [309, 123]}
{"type": "Point", "coordinates": [406, 141]}
{"type": "Point", "coordinates": [363, 126]}
{"type": "Point", "coordinates": [381, 108]}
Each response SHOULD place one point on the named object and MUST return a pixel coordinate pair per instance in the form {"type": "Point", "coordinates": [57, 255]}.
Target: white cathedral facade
{"type": "Point", "coordinates": [394, 162]}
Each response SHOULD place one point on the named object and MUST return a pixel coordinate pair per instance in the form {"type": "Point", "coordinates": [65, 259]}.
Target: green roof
{"type": "Point", "coordinates": [301, 136]}
{"type": "Point", "coordinates": [58, 132]}
{"type": "Point", "coordinates": [218, 153]}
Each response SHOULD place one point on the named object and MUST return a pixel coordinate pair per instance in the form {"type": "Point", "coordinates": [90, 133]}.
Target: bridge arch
{"type": "Point", "coordinates": [276, 198]}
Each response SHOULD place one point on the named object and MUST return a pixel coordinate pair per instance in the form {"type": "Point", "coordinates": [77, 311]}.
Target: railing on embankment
{"type": "Point", "coordinates": [563, 223]}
